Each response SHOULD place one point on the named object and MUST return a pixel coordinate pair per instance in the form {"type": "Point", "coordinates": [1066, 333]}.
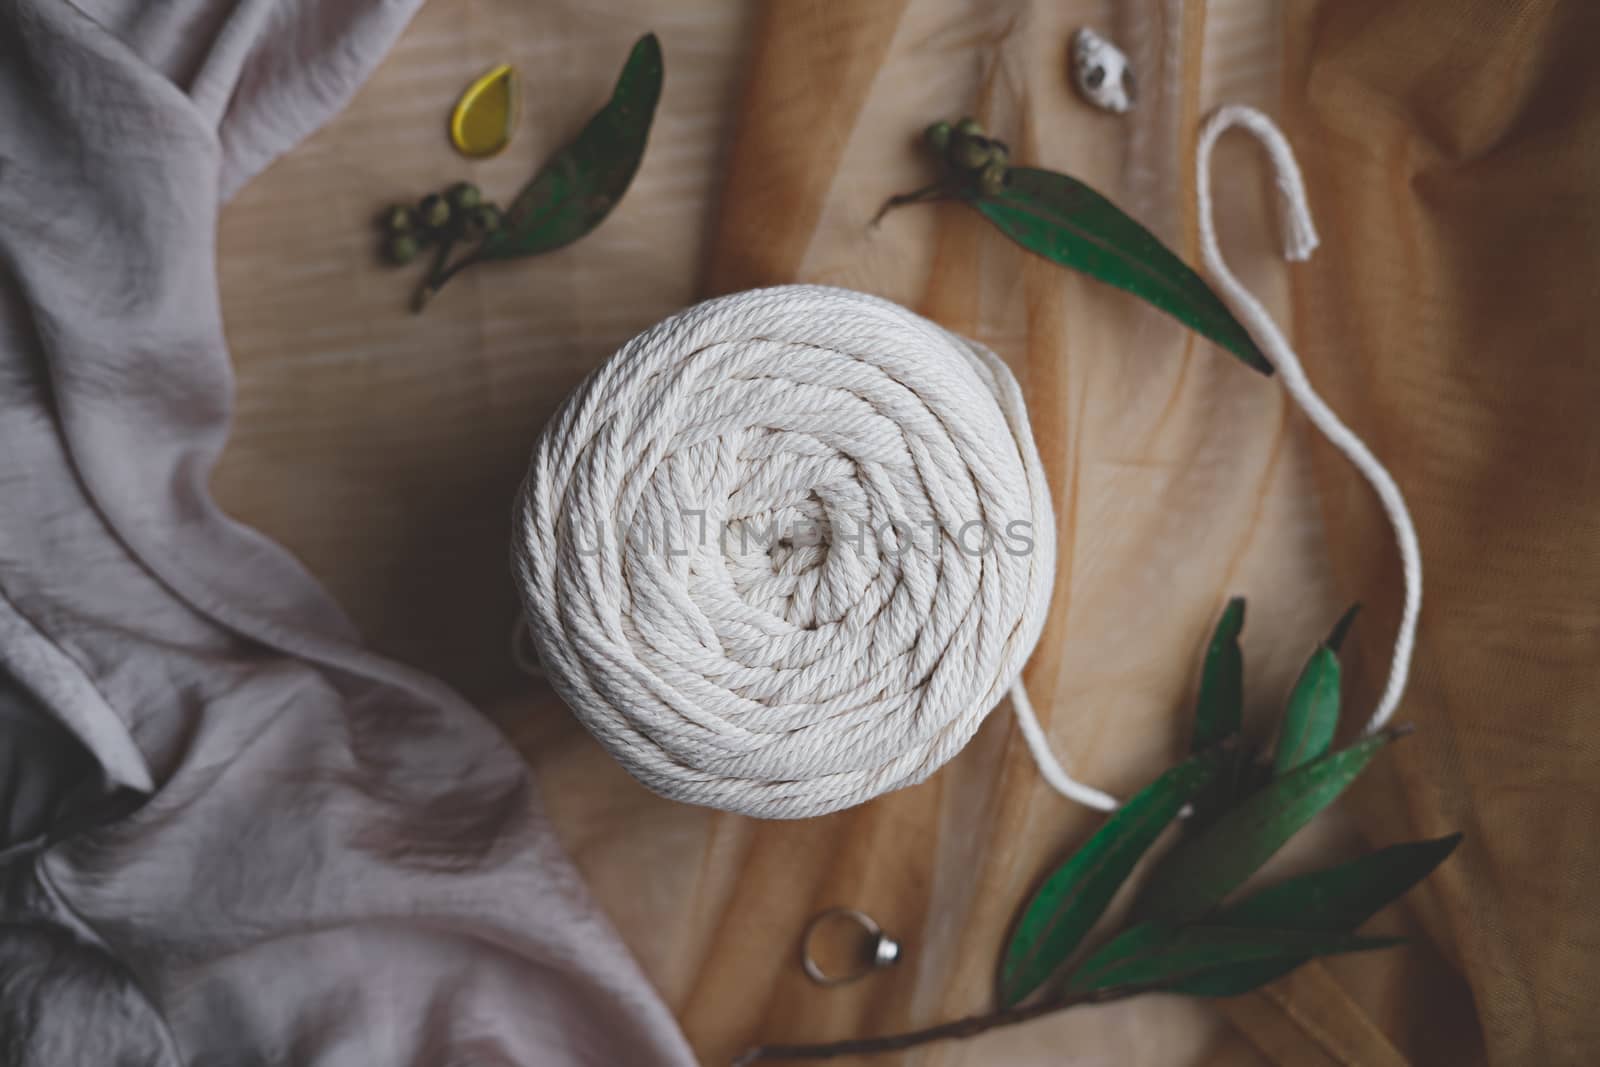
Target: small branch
{"type": "Point", "coordinates": [970, 1026]}
{"type": "Point", "coordinates": [438, 274]}
{"type": "Point", "coordinates": [927, 194]}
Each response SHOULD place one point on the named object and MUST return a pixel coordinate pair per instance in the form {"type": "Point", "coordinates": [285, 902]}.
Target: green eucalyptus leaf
{"type": "Point", "coordinates": [1236, 979]}
{"type": "Point", "coordinates": [1312, 715]}
{"type": "Point", "coordinates": [1138, 941]}
{"type": "Point", "coordinates": [1055, 919]}
{"type": "Point", "coordinates": [1062, 219]}
{"type": "Point", "coordinates": [1204, 867]}
{"type": "Point", "coordinates": [1337, 635]}
{"type": "Point", "coordinates": [1336, 899]}
{"type": "Point", "coordinates": [1154, 955]}
{"type": "Point", "coordinates": [1344, 896]}
{"type": "Point", "coordinates": [579, 185]}
{"type": "Point", "coordinates": [1219, 711]}
{"type": "Point", "coordinates": [1220, 705]}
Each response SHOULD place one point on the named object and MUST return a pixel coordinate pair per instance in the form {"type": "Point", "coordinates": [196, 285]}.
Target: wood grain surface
{"type": "Point", "coordinates": [384, 448]}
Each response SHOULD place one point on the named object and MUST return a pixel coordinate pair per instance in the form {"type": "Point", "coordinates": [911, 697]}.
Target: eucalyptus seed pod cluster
{"type": "Point", "coordinates": [438, 219]}
{"type": "Point", "coordinates": [968, 152]}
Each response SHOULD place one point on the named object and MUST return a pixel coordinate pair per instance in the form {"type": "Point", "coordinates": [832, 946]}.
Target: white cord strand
{"type": "Point", "coordinates": [1300, 238]}
{"type": "Point", "coordinates": [1049, 768]}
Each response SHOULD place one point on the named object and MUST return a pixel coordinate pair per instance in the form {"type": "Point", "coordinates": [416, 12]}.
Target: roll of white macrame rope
{"type": "Point", "coordinates": [784, 551]}
{"type": "Point", "coordinates": [783, 676]}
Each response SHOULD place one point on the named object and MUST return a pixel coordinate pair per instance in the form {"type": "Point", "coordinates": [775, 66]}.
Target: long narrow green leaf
{"type": "Point", "coordinates": [1219, 712]}
{"type": "Point", "coordinates": [1206, 866]}
{"type": "Point", "coordinates": [1064, 220]}
{"type": "Point", "coordinates": [579, 185]}
{"type": "Point", "coordinates": [1155, 955]}
{"type": "Point", "coordinates": [1138, 941]}
{"type": "Point", "coordinates": [1312, 715]}
{"type": "Point", "coordinates": [1236, 979]}
{"type": "Point", "coordinates": [1343, 896]}
{"type": "Point", "coordinates": [1331, 900]}
{"type": "Point", "coordinates": [1053, 922]}
{"type": "Point", "coordinates": [1220, 705]}
{"type": "Point", "coordinates": [1342, 627]}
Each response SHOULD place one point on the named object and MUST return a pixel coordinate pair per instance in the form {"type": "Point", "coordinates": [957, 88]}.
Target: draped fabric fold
{"type": "Point", "coordinates": [233, 835]}
{"type": "Point", "coordinates": [1452, 156]}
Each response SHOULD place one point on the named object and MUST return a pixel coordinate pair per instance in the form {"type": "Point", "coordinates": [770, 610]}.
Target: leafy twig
{"type": "Point", "coordinates": [1065, 221]}
{"type": "Point", "coordinates": [927, 194]}
{"type": "Point", "coordinates": [569, 196]}
{"type": "Point", "coordinates": [437, 274]}
{"type": "Point", "coordinates": [1187, 932]}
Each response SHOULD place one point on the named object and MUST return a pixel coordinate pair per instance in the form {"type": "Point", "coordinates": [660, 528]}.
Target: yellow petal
{"type": "Point", "coordinates": [481, 123]}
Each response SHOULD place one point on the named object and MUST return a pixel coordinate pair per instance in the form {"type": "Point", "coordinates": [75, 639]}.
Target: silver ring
{"type": "Point", "coordinates": [881, 950]}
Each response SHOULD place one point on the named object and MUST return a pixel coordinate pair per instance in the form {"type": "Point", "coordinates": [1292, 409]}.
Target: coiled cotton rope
{"type": "Point", "coordinates": [784, 551]}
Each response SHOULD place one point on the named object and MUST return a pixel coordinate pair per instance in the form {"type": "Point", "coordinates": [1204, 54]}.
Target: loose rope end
{"type": "Point", "coordinates": [1299, 232]}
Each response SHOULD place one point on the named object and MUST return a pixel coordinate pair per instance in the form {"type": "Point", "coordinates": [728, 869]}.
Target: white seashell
{"type": "Point", "coordinates": [1101, 72]}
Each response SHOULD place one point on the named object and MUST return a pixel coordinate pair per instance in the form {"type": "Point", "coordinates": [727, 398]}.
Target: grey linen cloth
{"type": "Point", "coordinates": [231, 835]}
